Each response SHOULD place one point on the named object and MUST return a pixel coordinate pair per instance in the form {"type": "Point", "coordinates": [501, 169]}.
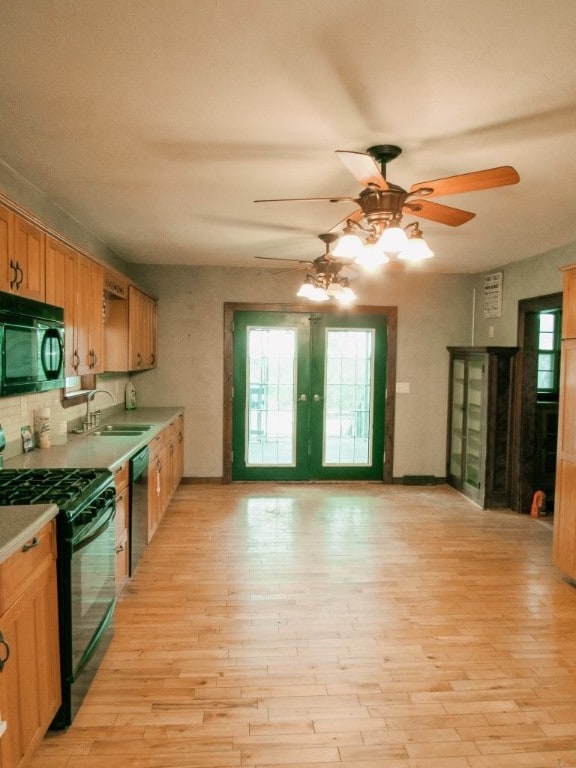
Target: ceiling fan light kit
{"type": "Point", "coordinates": [374, 232]}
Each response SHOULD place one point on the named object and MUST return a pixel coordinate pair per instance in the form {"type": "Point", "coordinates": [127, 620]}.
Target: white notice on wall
{"type": "Point", "coordinates": [492, 295]}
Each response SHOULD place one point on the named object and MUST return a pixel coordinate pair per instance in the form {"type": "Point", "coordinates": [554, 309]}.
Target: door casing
{"type": "Point", "coordinates": [391, 313]}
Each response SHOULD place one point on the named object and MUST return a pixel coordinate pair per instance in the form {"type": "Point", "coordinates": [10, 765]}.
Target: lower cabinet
{"type": "Point", "coordinates": [157, 482]}
{"type": "Point", "coordinates": [165, 470]}
{"type": "Point", "coordinates": [30, 691]}
{"type": "Point", "coordinates": [122, 546]}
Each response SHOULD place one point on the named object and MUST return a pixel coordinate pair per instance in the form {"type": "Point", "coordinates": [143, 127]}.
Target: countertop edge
{"type": "Point", "coordinates": [19, 524]}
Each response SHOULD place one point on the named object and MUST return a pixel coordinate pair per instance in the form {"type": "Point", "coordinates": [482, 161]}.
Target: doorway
{"type": "Point", "coordinates": [310, 393]}
{"type": "Point", "coordinates": [536, 400]}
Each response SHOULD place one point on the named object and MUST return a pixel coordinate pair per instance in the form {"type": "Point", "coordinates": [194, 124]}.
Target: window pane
{"type": "Point", "coordinates": [348, 397]}
{"type": "Point", "coordinates": [271, 384]}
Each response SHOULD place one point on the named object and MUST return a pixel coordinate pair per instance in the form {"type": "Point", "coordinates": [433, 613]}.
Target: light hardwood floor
{"type": "Point", "coordinates": [340, 626]}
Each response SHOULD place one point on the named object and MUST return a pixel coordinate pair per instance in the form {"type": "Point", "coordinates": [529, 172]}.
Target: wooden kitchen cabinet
{"type": "Point", "coordinates": [564, 545]}
{"type": "Point", "coordinates": [142, 329]}
{"type": "Point", "coordinates": [75, 283]}
{"type": "Point", "coordinates": [22, 256]}
{"type": "Point", "coordinates": [122, 546]}
{"type": "Point", "coordinates": [479, 423]}
{"type": "Point", "coordinates": [89, 331]}
{"type": "Point", "coordinates": [61, 280]}
{"type": "Point", "coordinates": [30, 692]}
{"type": "Point", "coordinates": [158, 481]}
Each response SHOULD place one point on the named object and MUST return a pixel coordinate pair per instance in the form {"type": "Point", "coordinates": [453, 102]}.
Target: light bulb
{"type": "Point", "coordinates": [393, 239]}
{"type": "Point", "coordinates": [416, 249]}
{"type": "Point", "coordinates": [371, 257]}
{"type": "Point", "coordinates": [347, 247]}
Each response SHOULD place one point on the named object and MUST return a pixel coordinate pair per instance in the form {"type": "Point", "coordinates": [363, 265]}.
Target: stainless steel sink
{"type": "Point", "coordinates": [125, 427]}
{"type": "Point", "coordinates": [118, 432]}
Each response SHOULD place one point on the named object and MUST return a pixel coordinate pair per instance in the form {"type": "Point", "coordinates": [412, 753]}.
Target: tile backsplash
{"type": "Point", "coordinates": [18, 412]}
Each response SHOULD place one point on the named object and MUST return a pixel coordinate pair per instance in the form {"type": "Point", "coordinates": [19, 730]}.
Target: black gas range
{"type": "Point", "coordinates": [72, 490]}
{"type": "Point", "coordinates": [85, 527]}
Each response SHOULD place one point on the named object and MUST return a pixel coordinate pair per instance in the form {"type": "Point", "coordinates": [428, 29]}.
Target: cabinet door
{"type": "Point", "coordinates": [565, 495]}
{"type": "Point", "coordinates": [30, 260]}
{"type": "Point", "coordinates": [30, 679]}
{"type": "Point", "coordinates": [89, 316]}
{"type": "Point", "coordinates": [142, 318]}
{"type": "Point", "coordinates": [61, 263]}
{"type": "Point", "coordinates": [569, 303]}
{"type": "Point", "coordinates": [7, 273]}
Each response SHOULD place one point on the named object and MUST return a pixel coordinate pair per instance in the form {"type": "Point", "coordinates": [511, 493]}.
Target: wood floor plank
{"type": "Point", "coordinates": [335, 625]}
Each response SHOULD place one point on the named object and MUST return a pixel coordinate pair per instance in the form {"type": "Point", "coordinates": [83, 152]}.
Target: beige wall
{"type": "Point", "coordinates": [537, 276]}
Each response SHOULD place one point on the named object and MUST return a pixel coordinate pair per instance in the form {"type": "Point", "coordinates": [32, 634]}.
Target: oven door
{"type": "Point", "coordinates": [93, 591]}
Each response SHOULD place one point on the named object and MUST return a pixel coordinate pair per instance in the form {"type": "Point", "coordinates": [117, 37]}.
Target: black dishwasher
{"type": "Point", "coordinates": [138, 507]}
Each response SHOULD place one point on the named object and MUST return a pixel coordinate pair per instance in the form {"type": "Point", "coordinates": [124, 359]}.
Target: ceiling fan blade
{"type": "Point", "coordinates": [444, 214]}
{"type": "Point", "coordinates": [469, 182]}
{"type": "Point", "coordinates": [335, 199]}
{"type": "Point", "coordinates": [272, 258]}
{"type": "Point", "coordinates": [356, 215]}
{"type": "Point", "coordinates": [363, 167]}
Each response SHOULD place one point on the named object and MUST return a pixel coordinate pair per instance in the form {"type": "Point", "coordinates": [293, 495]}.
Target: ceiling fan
{"type": "Point", "coordinates": [382, 204]}
{"type": "Point", "coordinates": [323, 280]}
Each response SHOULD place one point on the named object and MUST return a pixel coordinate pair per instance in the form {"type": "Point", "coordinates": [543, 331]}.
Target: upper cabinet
{"type": "Point", "coordinates": [142, 312]}
{"type": "Point", "coordinates": [61, 269]}
{"type": "Point", "coordinates": [75, 283]}
{"type": "Point", "coordinates": [22, 256]}
{"type": "Point", "coordinates": [110, 325]}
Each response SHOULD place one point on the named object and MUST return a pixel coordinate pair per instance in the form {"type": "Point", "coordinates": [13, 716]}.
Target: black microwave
{"type": "Point", "coordinates": [31, 346]}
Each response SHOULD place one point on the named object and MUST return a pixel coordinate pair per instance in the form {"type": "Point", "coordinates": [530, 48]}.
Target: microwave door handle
{"type": "Point", "coordinates": [52, 335]}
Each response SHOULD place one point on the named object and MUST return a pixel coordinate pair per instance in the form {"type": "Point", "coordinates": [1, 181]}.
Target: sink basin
{"type": "Point", "coordinates": [125, 428]}
{"type": "Point", "coordinates": [118, 433]}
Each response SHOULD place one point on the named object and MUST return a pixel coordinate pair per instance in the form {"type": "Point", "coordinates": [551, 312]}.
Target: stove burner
{"type": "Point", "coordinates": [69, 489]}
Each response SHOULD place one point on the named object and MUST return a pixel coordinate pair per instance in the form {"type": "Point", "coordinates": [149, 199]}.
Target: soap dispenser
{"type": "Point", "coordinates": [130, 397]}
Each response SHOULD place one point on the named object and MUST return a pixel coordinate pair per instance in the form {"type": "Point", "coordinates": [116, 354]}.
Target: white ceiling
{"type": "Point", "coordinates": [157, 123]}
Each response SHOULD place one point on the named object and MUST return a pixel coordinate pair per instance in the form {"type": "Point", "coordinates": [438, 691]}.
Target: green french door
{"type": "Point", "coordinates": [309, 396]}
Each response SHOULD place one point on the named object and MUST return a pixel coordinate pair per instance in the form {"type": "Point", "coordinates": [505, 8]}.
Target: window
{"type": "Point", "coordinates": [548, 351]}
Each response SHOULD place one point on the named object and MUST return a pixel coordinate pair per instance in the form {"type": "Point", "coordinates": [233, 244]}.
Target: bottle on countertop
{"type": "Point", "coordinates": [130, 397]}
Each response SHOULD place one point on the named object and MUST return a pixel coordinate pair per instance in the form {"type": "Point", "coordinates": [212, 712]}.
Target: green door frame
{"type": "Point", "coordinates": [391, 314]}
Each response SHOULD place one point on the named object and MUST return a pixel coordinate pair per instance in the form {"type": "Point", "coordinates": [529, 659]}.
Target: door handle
{"type": "Point", "coordinates": [303, 398]}
{"type": "Point", "coordinates": [317, 397]}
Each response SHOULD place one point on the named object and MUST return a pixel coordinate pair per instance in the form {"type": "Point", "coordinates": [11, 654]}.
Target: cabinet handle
{"type": "Point", "coordinates": [34, 543]}
{"type": "Point", "coordinates": [152, 359]}
{"type": "Point", "coordinates": [14, 269]}
{"type": "Point", "coordinates": [120, 549]}
{"type": "Point", "coordinates": [7, 647]}
{"type": "Point", "coordinates": [93, 359]}
{"type": "Point", "coordinates": [139, 360]}
{"type": "Point", "coordinates": [21, 278]}
{"type": "Point", "coordinates": [75, 360]}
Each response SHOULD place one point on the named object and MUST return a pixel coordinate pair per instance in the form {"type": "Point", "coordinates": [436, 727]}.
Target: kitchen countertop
{"type": "Point", "coordinates": [19, 524]}
{"type": "Point", "coordinates": [94, 452]}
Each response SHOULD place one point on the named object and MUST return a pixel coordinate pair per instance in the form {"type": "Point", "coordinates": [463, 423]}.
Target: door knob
{"type": "Point", "coordinates": [303, 397]}
{"type": "Point", "coordinates": [317, 397]}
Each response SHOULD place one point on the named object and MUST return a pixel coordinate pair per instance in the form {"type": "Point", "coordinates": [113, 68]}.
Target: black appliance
{"type": "Point", "coordinates": [138, 506]}
{"type": "Point", "coordinates": [85, 532]}
{"type": "Point", "coordinates": [31, 346]}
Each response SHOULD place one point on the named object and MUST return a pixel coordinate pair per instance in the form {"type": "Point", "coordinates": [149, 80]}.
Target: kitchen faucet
{"type": "Point", "coordinates": [90, 396]}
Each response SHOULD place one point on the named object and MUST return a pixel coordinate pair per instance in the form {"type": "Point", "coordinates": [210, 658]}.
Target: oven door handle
{"type": "Point", "coordinates": [84, 540]}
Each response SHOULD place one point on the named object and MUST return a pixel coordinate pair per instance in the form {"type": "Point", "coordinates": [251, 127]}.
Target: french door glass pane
{"type": "Point", "coordinates": [270, 405]}
{"type": "Point", "coordinates": [348, 397]}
